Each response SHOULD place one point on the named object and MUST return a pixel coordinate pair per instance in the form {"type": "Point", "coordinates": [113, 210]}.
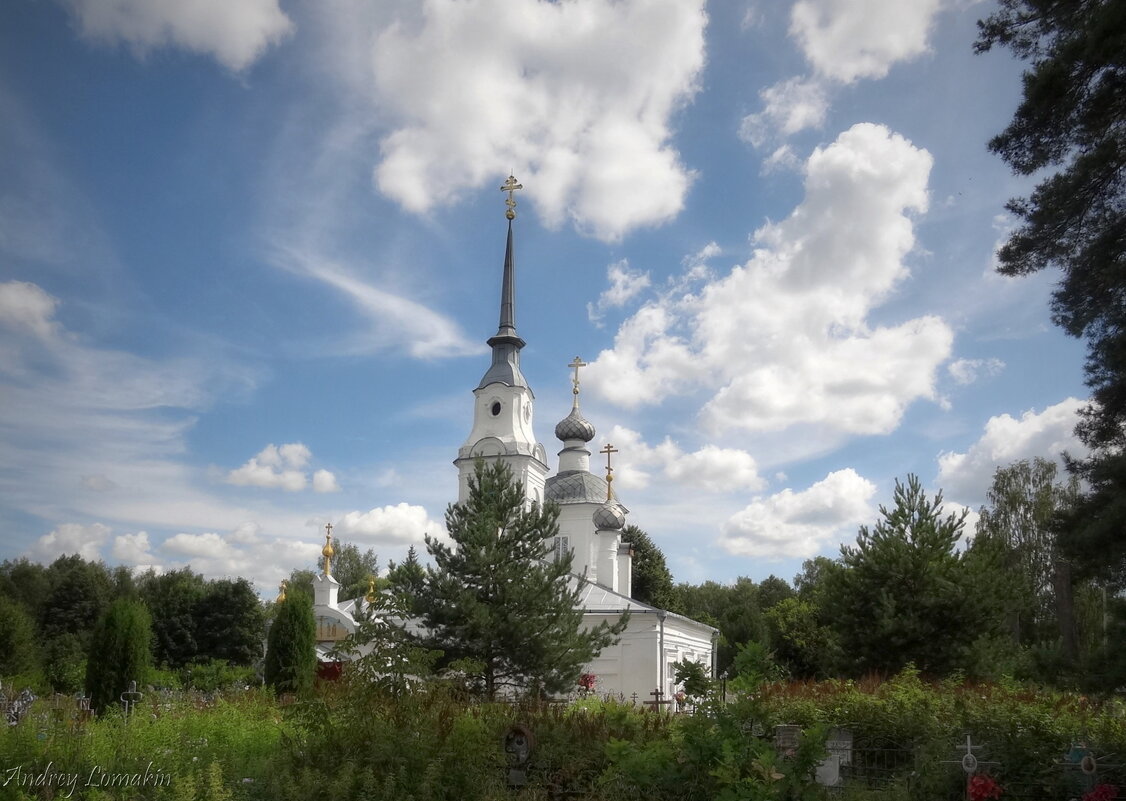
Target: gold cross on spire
{"type": "Point", "coordinates": [609, 449]}
{"type": "Point", "coordinates": [327, 552]}
{"type": "Point", "coordinates": [510, 186]}
{"type": "Point", "coordinates": [575, 365]}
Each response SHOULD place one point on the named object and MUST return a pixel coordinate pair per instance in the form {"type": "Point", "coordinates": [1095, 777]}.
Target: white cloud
{"type": "Point", "coordinates": [208, 546]}
{"type": "Point", "coordinates": [396, 321]}
{"type": "Point", "coordinates": [966, 477]}
{"type": "Point", "coordinates": [274, 467]}
{"type": "Point", "coordinates": [790, 106]}
{"type": "Point", "coordinates": [241, 553]}
{"type": "Point", "coordinates": [625, 284]}
{"type": "Point", "coordinates": [967, 371]}
{"type": "Point", "coordinates": [325, 481]}
{"type": "Point", "coordinates": [846, 40]}
{"type": "Point", "coordinates": [797, 525]}
{"type": "Point", "coordinates": [133, 549]}
{"type": "Point", "coordinates": [709, 468]}
{"type": "Point", "coordinates": [235, 33]}
{"type": "Point", "coordinates": [784, 339]}
{"type": "Point", "coordinates": [400, 524]}
{"type": "Point", "coordinates": [576, 97]}
{"type": "Point", "coordinates": [72, 538]}
{"type": "Point", "coordinates": [27, 306]}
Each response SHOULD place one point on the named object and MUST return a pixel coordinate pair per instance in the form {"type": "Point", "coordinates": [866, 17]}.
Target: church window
{"type": "Point", "coordinates": [496, 408]}
{"type": "Point", "coordinates": [561, 548]}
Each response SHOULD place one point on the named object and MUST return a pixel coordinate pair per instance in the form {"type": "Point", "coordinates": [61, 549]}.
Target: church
{"type": "Point", "coordinates": [591, 518]}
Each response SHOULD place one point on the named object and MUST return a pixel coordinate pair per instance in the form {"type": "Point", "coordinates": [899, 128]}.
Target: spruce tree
{"type": "Point", "coordinates": [120, 652]}
{"type": "Point", "coordinates": [497, 599]}
{"type": "Point", "coordinates": [291, 647]}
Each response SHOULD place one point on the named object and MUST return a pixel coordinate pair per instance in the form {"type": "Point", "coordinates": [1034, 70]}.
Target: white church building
{"type": "Point", "coordinates": [590, 519]}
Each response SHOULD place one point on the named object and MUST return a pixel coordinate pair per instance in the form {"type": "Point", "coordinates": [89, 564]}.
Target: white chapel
{"type": "Point", "coordinates": [590, 520]}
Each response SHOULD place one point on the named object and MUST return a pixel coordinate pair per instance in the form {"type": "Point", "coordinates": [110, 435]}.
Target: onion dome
{"type": "Point", "coordinates": [574, 426]}
{"type": "Point", "coordinates": [609, 517]}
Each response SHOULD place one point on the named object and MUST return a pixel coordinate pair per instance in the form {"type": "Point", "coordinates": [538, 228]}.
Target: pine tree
{"type": "Point", "coordinates": [120, 652]}
{"type": "Point", "coordinates": [495, 597]}
{"type": "Point", "coordinates": [291, 647]}
{"type": "Point", "coordinates": [901, 595]}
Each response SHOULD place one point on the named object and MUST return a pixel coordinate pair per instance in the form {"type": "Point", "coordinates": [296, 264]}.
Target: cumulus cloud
{"type": "Point", "coordinates": [790, 106]}
{"type": "Point", "coordinates": [967, 371]}
{"type": "Point", "coordinates": [324, 481]}
{"type": "Point", "coordinates": [133, 549]}
{"type": "Point", "coordinates": [709, 468]}
{"type": "Point", "coordinates": [400, 524]}
{"type": "Point", "coordinates": [784, 339]}
{"type": "Point", "coordinates": [800, 524]}
{"type": "Point", "coordinates": [72, 538]}
{"type": "Point", "coordinates": [967, 476]}
{"type": "Point", "coordinates": [844, 41]}
{"type": "Point", "coordinates": [241, 552]}
{"type": "Point", "coordinates": [282, 467]}
{"type": "Point", "coordinates": [625, 284]}
{"type": "Point", "coordinates": [236, 34]}
{"type": "Point", "coordinates": [847, 40]}
{"type": "Point", "coordinates": [27, 307]}
{"type": "Point", "coordinates": [577, 97]}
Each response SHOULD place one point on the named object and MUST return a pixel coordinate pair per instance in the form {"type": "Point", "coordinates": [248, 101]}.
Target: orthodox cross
{"type": "Point", "coordinates": [510, 186]}
{"type": "Point", "coordinates": [130, 697]}
{"type": "Point", "coordinates": [575, 365]}
{"type": "Point", "coordinates": [327, 551]}
{"type": "Point", "coordinates": [609, 449]}
{"type": "Point", "coordinates": [969, 761]}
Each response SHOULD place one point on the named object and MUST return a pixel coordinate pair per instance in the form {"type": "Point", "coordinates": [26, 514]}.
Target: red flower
{"type": "Point", "coordinates": [983, 787]}
{"type": "Point", "coordinates": [587, 681]}
{"type": "Point", "coordinates": [1102, 792]}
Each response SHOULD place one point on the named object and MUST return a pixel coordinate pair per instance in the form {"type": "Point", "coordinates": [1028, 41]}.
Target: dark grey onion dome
{"type": "Point", "coordinates": [574, 426]}
{"type": "Point", "coordinates": [609, 517]}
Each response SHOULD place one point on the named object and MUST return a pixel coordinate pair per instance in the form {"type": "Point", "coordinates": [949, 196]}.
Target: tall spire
{"type": "Point", "coordinates": [506, 343]}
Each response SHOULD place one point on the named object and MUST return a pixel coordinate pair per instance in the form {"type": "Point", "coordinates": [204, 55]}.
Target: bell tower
{"type": "Point", "coordinates": [503, 401]}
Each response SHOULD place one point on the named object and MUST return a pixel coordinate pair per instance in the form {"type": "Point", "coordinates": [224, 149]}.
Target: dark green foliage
{"type": "Point", "coordinates": [802, 642]}
{"type": "Point", "coordinates": [497, 599]}
{"type": "Point", "coordinates": [692, 677]}
{"type": "Point", "coordinates": [79, 594]}
{"type": "Point", "coordinates": [901, 596]}
{"type": "Point", "coordinates": [408, 581]}
{"type": "Point", "coordinates": [26, 583]}
{"type": "Point", "coordinates": [1071, 126]}
{"type": "Point", "coordinates": [229, 622]}
{"type": "Point", "coordinates": [772, 591]}
{"type": "Point", "coordinates": [171, 598]}
{"type": "Point", "coordinates": [120, 652]}
{"type": "Point", "coordinates": [732, 608]}
{"type": "Point", "coordinates": [291, 647]}
{"type": "Point", "coordinates": [351, 568]}
{"type": "Point", "coordinates": [1071, 118]}
{"type": "Point", "coordinates": [652, 581]}
{"type": "Point", "coordinates": [18, 651]}
{"type": "Point", "coordinates": [1090, 530]}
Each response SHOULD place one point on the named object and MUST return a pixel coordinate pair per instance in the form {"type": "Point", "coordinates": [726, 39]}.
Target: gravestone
{"type": "Point", "coordinates": [839, 745]}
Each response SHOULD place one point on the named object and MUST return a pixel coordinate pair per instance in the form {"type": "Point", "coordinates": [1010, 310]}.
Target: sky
{"type": "Point", "coordinates": [250, 254]}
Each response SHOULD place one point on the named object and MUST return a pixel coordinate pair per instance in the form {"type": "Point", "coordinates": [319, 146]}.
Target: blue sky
{"type": "Point", "coordinates": [250, 253]}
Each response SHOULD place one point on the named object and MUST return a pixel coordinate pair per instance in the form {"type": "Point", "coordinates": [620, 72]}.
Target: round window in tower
{"type": "Point", "coordinates": [496, 408]}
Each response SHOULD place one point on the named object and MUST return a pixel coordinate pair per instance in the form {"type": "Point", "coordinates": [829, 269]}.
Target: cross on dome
{"type": "Point", "coordinates": [510, 186]}
{"type": "Point", "coordinates": [608, 450]}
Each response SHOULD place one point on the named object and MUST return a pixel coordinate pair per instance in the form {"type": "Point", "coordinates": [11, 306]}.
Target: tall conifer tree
{"type": "Point", "coordinates": [496, 597]}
